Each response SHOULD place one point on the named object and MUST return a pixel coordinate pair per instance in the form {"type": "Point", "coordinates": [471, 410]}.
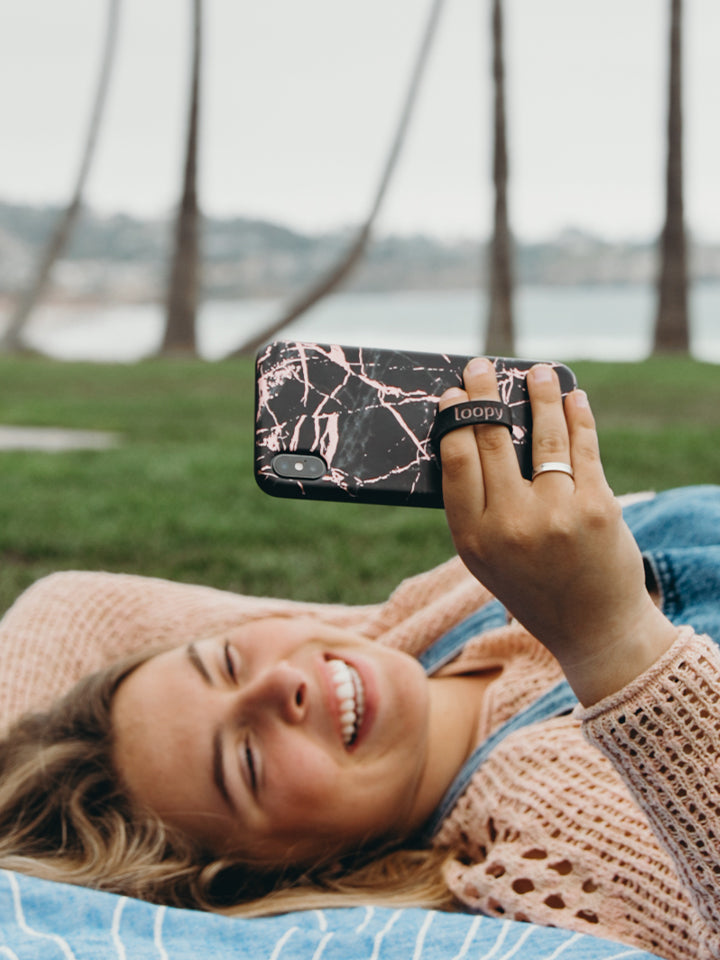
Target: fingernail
{"type": "Point", "coordinates": [541, 373]}
{"type": "Point", "coordinates": [581, 399]}
{"type": "Point", "coordinates": [479, 366]}
{"type": "Point", "coordinates": [451, 393]}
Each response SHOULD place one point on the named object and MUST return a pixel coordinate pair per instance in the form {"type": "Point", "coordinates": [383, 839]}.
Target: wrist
{"type": "Point", "coordinates": [619, 656]}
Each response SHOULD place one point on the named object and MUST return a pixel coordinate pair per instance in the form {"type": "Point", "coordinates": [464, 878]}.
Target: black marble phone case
{"type": "Point", "coordinates": [368, 414]}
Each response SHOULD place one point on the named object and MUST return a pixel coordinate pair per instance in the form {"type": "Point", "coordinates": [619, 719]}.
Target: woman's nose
{"type": "Point", "coordinates": [280, 687]}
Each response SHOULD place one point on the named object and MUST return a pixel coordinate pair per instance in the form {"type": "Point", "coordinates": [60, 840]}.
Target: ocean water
{"type": "Point", "coordinates": [560, 323]}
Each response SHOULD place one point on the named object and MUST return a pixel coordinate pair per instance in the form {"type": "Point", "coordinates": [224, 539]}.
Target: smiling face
{"type": "Point", "coordinates": [282, 741]}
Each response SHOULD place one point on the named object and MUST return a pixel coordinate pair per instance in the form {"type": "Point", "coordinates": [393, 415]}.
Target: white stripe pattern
{"type": "Point", "coordinates": [420, 942]}
{"type": "Point", "coordinates": [20, 916]}
{"type": "Point", "coordinates": [369, 914]}
{"type": "Point", "coordinates": [565, 945]}
{"type": "Point", "coordinates": [321, 946]}
{"type": "Point", "coordinates": [632, 952]}
{"type": "Point", "coordinates": [157, 932]}
{"type": "Point", "coordinates": [499, 942]}
{"type": "Point", "coordinates": [115, 928]}
{"type": "Point", "coordinates": [282, 941]}
{"type": "Point", "coordinates": [470, 936]}
{"type": "Point", "coordinates": [521, 940]}
{"type": "Point", "coordinates": [625, 952]}
{"type": "Point", "coordinates": [379, 938]}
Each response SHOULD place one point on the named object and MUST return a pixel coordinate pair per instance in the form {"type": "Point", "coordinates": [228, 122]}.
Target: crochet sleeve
{"type": "Point", "coordinates": [662, 733]}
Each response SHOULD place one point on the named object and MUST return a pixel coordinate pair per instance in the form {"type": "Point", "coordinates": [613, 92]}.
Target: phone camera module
{"type": "Point", "coordinates": [299, 466]}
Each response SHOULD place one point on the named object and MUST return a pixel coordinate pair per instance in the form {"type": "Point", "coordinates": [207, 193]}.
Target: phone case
{"type": "Point", "coordinates": [354, 423]}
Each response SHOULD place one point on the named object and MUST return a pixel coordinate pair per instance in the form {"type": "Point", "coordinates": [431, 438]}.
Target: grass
{"type": "Point", "coordinates": [177, 498]}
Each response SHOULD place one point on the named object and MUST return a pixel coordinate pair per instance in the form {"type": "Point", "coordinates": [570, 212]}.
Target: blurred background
{"type": "Point", "coordinates": [298, 110]}
{"type": "Point", "coordinates": [182, 180]}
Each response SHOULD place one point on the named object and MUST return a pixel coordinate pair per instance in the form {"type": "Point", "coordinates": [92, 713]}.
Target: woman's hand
{"type": "Point", "coordinates": [556, 550]}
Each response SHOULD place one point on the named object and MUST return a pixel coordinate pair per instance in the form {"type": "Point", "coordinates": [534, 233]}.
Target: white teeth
{"type": "Point", "coordinates": [350, 696]}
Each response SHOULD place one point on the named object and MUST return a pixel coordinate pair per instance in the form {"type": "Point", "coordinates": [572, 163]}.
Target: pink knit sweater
{"type": "Point", "coordinates": [549, 830]}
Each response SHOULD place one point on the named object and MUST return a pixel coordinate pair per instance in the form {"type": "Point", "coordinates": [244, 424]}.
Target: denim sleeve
{"type": "Point", "coordinates": [678, 532]}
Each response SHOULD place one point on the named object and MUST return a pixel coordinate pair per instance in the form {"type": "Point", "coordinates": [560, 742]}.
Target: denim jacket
{"type": "Point", "coordinates": [678, 532]}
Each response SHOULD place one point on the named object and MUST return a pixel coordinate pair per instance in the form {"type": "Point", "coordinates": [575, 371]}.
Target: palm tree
{"type": "Point", "coordinates": [671, 325]}
{"type": "Point", "coordinates": [60, 237]}
{"type": "Point", "coordinates": [182, 292]}
{"type": "Point", "coordinates": [351, 257]}
{"type": "Point", "coordinates": [500, 338]}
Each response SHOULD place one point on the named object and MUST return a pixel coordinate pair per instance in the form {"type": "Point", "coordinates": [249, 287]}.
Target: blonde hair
{"type": "Point", "coordinates": [65, 816]}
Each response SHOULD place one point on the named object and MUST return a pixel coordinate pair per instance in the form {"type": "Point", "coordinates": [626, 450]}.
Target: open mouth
{"type": "Point", "coordinates": [350, 695]}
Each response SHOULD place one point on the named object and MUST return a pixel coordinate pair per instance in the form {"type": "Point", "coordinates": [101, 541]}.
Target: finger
{"type": "Point", "coordinates": [584, 446]}
{"type": "Point", "coordinates": [550, 438]}
{"type": "Point", "coordinates": [497, 454]}
{"type": "Point", "coordinates": [462, 478]}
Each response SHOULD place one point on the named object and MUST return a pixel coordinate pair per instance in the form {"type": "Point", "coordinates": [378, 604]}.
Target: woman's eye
{"type": "Point", "coordinates": [230, 662]}
{"type": "Point", "coordinates": [250, 760]}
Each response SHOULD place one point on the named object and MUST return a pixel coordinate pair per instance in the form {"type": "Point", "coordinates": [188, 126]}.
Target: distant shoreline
{"type": "Point", "coordinates": [58, 300]}
{"type": "Point", "coordinates": [121, 259]}
{"type": "Point", "coordinates": [562, 323]}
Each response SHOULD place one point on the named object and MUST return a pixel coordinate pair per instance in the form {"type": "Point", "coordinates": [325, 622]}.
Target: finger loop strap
{"type": "Point", "coordinates": [466, 414]}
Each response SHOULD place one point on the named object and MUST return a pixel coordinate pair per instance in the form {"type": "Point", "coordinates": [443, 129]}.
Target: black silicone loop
{"type": "Point", "coordinates": [466, 414]}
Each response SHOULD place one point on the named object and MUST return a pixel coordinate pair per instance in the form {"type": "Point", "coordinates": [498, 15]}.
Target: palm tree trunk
{"type": "Point", "coordinates": [182, 293]}
{"type": "Point", "coordinates": [58, 241]}
{"type": "Point", "coordinates": [342, 269]}
{"type": "Point", "coordinates": [500, 339]}
{"type": "Point", "coordinates": [672, 325]}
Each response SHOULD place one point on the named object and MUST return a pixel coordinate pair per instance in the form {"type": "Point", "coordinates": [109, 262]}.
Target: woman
{"type": "Point", "coordinates": [276, 755]}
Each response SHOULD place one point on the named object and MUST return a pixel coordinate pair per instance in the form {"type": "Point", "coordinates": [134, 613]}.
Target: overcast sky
{"type": "Point", "coordinates": [300, 100]}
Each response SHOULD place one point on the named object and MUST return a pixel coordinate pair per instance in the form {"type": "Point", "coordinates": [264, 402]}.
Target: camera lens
{"type": "Point", "coordinates": [301, 466]}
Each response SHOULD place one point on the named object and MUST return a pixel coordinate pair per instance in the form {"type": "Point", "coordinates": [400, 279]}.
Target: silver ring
{"type": "Point", "coordinates": [553, 466]}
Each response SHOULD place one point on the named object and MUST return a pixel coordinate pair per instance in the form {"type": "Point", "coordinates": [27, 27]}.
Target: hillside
{"type": "Point", "coordinates": [123, 259]}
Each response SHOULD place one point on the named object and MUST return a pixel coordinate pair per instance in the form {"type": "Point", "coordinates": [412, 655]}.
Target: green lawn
{"type": "Point", "coordinates": [177, 498]}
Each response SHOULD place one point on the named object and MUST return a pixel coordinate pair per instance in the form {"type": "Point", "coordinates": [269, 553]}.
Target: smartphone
{"type": "Point", "coordinates": [355, 423]}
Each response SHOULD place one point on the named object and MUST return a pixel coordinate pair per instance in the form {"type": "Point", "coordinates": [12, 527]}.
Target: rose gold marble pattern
{"type": "Point", "coordinates": [368, 413]}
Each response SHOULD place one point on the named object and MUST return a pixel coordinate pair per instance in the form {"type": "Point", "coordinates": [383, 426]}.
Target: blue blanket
{"type": "Point", "coordinates": [40, 920]}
